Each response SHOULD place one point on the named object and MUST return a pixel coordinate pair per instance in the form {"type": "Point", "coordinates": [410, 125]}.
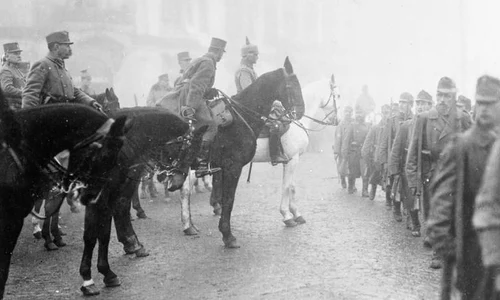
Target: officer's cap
{"type": "Point", "coordinates": [85, 74]}
{"type": "Point", "coordinates": [11, 48]}
{"type": "Point", "coordinates": [249, 48]}
{"type": "Point", "coordinates": [163, 77]}
{"type": "Point", "coordinates": [446, 85]}
{"type": "Point", "coordinates": [487, 89]}
{"type": "Point", "coordinates": [406, 98]}
{"type": "Point", "coordinates": [424, 96]}
{"type": "Point", "coordinates": [463, 101]}
{"type": "Point", "coordinates": [219, 44]}
{"type": "Point", "coordinates": [60, 37]}
{"type": "Point", "coordinates": [183, 56]}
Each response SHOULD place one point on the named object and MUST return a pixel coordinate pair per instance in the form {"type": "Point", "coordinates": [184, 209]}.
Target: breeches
{"type": "Point", "coordinates": [204, 117]}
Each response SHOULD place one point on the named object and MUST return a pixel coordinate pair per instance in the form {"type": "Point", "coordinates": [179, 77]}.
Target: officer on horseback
{"type": "Point", "coordinates": [195, 86]}
{"type": "Point", "coordinates": [12, 78]}
{"type": "Point", "coordinates": [49, 81]}
{"type": "Point", "coordinates": [246, 75]}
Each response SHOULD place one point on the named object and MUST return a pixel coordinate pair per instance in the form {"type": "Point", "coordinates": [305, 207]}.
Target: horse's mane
{"type": "Point", "coordinates": [10, 129]}
{"type": "Point", "coordinates": [270, 78]}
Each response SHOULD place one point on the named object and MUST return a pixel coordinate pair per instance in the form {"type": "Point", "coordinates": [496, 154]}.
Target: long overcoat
{"type": "Point", "coordinates": [352, 143]}
{"type": "Point", "coordinates": [12, 81]}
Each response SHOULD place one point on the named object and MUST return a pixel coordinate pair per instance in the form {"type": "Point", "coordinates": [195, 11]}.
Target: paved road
{"type": "Point", "coordinates": [350, 248]}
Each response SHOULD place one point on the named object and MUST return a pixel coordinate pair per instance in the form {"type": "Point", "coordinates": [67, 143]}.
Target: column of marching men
{"type": "Point", "coordinates": [430, 166]}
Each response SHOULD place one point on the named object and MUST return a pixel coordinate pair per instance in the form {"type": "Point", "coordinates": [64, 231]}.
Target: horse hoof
{"type": "Point", "coordinates": [232, 244]}
{"type": "Point", "coordinates": [300, 220]}
{"type": "Point", "coordinates": [217, 211]}
{"type": "Point", "coordinates": [37, 235]}
{"type": "Point", "coordinates": [142, 215]}
{"type": "Point", "coordinates": [51, 246]}
{"type": "Point", "coordinates": [112, 282]}
{"type": "Point", "coordinates": [141, 252]}
{"type": "Point", "coordinates": [59, 243]}
{"type": "Point", "coordinates": [90, 290]}
{"type": "Point", "coordinates": [190, 231]}
{"type": "Point", "coordinates": [290, 223]}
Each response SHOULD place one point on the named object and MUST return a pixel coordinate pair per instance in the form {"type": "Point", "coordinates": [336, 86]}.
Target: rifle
{"type": "Point", "coordinates": [389, 146]}
{"type": "Point", "coordinates": [335, 121]}
{"type": "Point", "coordinates": [420, 183]}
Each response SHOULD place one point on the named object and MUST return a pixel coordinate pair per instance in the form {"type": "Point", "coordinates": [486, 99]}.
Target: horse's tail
{"type": "Point", "coordinates": [10, 129]}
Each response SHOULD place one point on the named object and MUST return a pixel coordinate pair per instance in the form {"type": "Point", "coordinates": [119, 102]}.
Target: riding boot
{"type": "Point", "coordinates": [373, 191]}
{"type": "Point", "coordinates": [415, 229]}
{"type": "Point", "coordinates": [351, 188]}
{"type": "Point", "coordinates": [364, 192]}
{"type": "Point", "coordinates": [202, 160]}
{"type": "Point", "coordinates": [342, 182]}
{"type": "Point", "coordinates": [397, 211]}
{"type": "Point", "coordinates": [276, 149]}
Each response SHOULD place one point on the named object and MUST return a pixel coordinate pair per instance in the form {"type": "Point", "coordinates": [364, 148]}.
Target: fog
{"type": "Point", "coordinates": [391, 45]}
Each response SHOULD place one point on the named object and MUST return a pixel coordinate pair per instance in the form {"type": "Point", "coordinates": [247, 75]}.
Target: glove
{"type": "Point", "coordinates": [187, 112]}
{"type": "Point", "coordinates": [96, 105]}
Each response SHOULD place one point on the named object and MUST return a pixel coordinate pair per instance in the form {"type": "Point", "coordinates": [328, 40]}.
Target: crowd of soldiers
{"type": "Point", "coordinates": [434, 162]}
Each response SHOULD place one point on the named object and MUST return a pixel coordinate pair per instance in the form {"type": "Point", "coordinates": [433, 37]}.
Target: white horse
{"type": "Point", "coordinates": [295, 141]}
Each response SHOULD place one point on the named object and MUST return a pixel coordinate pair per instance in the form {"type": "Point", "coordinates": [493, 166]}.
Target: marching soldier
{"type": "Point", "coordinates": [12, 78]}
{"type": "Point", "coordinates": [86, 81]}
{"type": "Point", "coordinates": [423, 103]}
{"type": "Point", "coordinates": [196, 83]}
{"type": "Point", "coordinates": [351, 152]}
{"type": "Point", "coordinates": [386, 141]}
{"type": "Point", "coordinates": [397, 157]}
{"type": "Point", "coordinates": [371, 154]}
{"type": "Point", "coordinates": [49, 81]}
{"type": "Point", "coordinates": [340, 133]}
{"type": "Point", "coordinates": [246, 75]}
{"type": "Point", "coordinates": [158, 90]}
{"type": "Point", "coordinates": [454, 189]}
{"type": "Point", "coordinates": [433, 130]}
{"type": "Point", "coordinates": [183, 59]}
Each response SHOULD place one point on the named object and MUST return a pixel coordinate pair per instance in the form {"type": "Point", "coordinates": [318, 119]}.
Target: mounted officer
{"type": "Point", "coordinates": [12, 78]}
{"type": "Point", "coordinates": [86, 81]}
{"type": "Point", "coordinates": [49, 82]}
{"type": "Point", "coordinates": [246, 75]}
{"type": "Point", "coordinates": [189, 99]}
{"type": "Point", "coordinates": [183, 59]}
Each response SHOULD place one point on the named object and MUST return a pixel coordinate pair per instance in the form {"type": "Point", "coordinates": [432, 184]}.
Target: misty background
{"type": "Point", "coordinates": [391, 45]}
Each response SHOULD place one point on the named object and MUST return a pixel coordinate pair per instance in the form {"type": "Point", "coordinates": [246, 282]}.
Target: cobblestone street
{"type": "Point", "coordinates": [350, 248]}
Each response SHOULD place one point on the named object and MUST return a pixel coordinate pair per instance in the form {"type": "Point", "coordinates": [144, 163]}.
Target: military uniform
{"type": "Point", "coordinates": [86, 88]}
{"type": "Point", "coordinates": [246, 75]}
{"type": "Point", "coordinates": [157, 92]}
{"type": "Point", "coordinates": [182, 57]}
{"type": "Point", "coordinates": [340, 133]}
{"type": "Point", "coordinates": [351, 152]}
{"type": "Point", "coordinates": [50, 82]}
{"type": "Point", "coordinates": [12, 79]}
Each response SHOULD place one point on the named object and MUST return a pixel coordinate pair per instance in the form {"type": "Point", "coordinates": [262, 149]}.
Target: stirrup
{"type": "Point", "coordinates": [204, 172]}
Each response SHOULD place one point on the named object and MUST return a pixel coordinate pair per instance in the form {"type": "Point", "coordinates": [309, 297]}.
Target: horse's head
{"type": "Point", "coordinates": [92, 159]}
{"type": "Point", "coordinates": [290, 92]}
{"type": "Point", "coordinates": [108, 100]}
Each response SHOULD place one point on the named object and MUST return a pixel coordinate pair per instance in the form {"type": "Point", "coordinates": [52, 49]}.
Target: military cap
{"type": "Point", "coordinates": [218, 44]}
{"type": "Point", "coordinates": [163, 77]}
{"type": "Point", "coordinates": [11, 48]}
{"type": "Point", "coordinates": [249, 48]}
{"type": "Point", "coordinates": [465, 102]}
{"type": "Point", "coordinates": [446, 85]}
{"type": "Point", "coordinates": [183, 56]}
{"type": "Point", "coordinates": [60, 37]}
{"type": "Point", "coordinates": [424, 96]}
{"type": "Point", "coordinates": [406, 98]}
{"type": "Point", "coordinates": [487, 89]}
{"type": "Point", "coordinates": [85, 74]}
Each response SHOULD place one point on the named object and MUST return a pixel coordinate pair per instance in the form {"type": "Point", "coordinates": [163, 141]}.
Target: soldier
{"type": "Point", "coordinates": [183, 59]}
{"type": "Point", "coordinates": [340, 133]}
{"type": "Point", "coordinates": [158, 90]}
{"type": "Point", "coordinates": [196, 82]}
{"type": "Point", "coordinates": [371, 154]}
{"type": "Point", "coordinates": [386, 141]}
{"type": "Point", "coordinates": [423, 103]}
{"type": "Point", "coordinates": [351, 151]}
{"type": "Point", "coordinates": [454, 189]}
{"type": "Point", "coordinates": [246, 75]}
{"type": "Point", "coordinates": [86, 81]}
{"type": "Point", "coordinates": [12, 79]}
{"type": "Point", "coordinates": [433, 130]}
{"type": "Point", "coordinates": [397, 157]}
{"type": "Point", "coordinates": [49, 81]}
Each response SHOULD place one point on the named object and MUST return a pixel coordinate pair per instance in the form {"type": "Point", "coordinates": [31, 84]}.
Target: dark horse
{"type": "Point", "coordinates": [30, 139]}
{"type": "Point", "coordinates": [156, 132]}
{"type": "Point", "coordinates": [235, 144]}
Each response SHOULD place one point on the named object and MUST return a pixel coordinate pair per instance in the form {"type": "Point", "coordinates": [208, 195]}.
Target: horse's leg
{"type": "Point", "coordinates": [121, 215]}
{"type": "Point", "coordinates": [11, 228]}
{"type": "Point", "coordinates": [136, 204]}
{"type": "Point", "coordinates": [49, 244]}
{"type": "Point", "coordinates": [91, 231]}
{"type": "Point", "coordinates": [216, 195]}
{"type": "Point", "coordinates": [185, 199]}
{"type": "Point", "coordinates": [37, 231]}
{"type": "Point", "coordinates": [208, 183]}
{"type": "Point", "coordinates": [289, 210]}
{"type": "Point", "coordinates": [54, 229]}
{"type": "Point", "coordinates": [110, 278]}
{"type": "Point", "coordinates": [230, 177]}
